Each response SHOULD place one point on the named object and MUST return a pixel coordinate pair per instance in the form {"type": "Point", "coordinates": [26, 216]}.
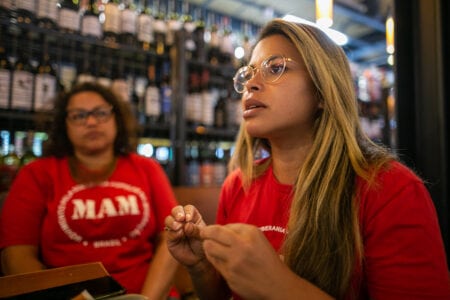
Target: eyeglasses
{"type": "Point", "coordinates": [271, 70]}
{"type": "Point", "coordinates": [79, 117]}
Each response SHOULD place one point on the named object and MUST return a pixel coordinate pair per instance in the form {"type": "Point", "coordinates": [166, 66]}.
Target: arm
{"type": "Point", "coordinates": [20, 259]}
{"type": "Point", "coordinates": [161, 272]}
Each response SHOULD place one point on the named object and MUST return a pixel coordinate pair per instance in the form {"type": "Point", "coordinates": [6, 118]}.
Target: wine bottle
{"type": "Point", "coordinates": [68, 16]}
{"type": "Point", "coordinates": [28, 153]}
{"type": "Point", "coordinates": [173, 24]}
{"type": "Point", "coordinates": [159, 29]}
{"type": "Point", "coordinates": [9, 166]}
{"type": "Point", "coordinates": [119, 82]}
{"type": "Point", "coordinates": [90, 21]}
{"type": "Point", "coordinates": [45, 82]}
{"type": "Point", "coordinates": [166, 92]}
{"type": "Point", "coordinates": [85, 66]}
{"type": "Point", "coordinates": [47, 14]}
{"type": "Point", "coordinates": [5, 73]}
{"type": "Point", "coordinates": [23, 79]}
{"type": "Point", "coordinates": [104, 63]}
{"type": "Point", "coordinates": [26, 11]}
{"type": "Point", "coordinates": [145, 26]}
{"type": "Point", "coordinates": [112, 23]}
{"type": "Point", "coordinates": [129, 24]}
{"type": "Point", "coordinates": [152, 95]}
{"type": "Point", "coordinates": [199, 37]}
{"type": "Point", "coordinates": [220, 110]}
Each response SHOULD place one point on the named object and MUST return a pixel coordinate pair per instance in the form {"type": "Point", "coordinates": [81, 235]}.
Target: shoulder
{"type": "Point", "coordinates": [395, 188]}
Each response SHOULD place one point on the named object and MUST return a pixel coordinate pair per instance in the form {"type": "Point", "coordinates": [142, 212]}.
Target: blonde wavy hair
{"type": "Point", "coordinates": [324, 243]}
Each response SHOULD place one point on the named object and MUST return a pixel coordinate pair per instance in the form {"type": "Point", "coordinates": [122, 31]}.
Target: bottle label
{"type": "Point", "coordinates": [145, 29]}
{"type": "Point", "coordinates": [129, 18]}
{"type": "Point", "coordinates": [48, 9]}
{"type": "Point", "coordinates": [22, 90]}
{"type": "Point", "coordinates": [91, 26]}
{"type": "Point", "coordinates": [5, 81]}
{"type": "Point", "coordinates": [112, 18]}
{"type": "Point", "coordinates": [29, 5]}
{"type": "Point", "coordinates": [152, 103]}
{"type": "Point", "coordinates": [45, 91]}
{"type": "Point", "coordinates": [69, 19]}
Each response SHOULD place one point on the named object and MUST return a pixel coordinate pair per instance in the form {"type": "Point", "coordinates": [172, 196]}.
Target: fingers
{"type": "Point", "coordinates": [185, 220]}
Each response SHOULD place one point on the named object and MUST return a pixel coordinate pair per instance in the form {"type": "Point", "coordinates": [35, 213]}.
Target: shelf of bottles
{"type": "Point", "coordinates": [47, 46]}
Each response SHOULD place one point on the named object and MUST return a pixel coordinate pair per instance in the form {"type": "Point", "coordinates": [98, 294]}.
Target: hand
{"type": "Point", "coordinates": [244, 257]}
{"type": "Point", "coordinates": [183, 239]}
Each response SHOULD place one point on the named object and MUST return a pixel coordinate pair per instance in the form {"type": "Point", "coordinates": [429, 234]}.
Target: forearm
{"type": "Point", "coordinates": [161, 273]}
{"type": "Point", "coordinates": [208, 283]}
{"type": "Point", "coordinates": [20, 259]}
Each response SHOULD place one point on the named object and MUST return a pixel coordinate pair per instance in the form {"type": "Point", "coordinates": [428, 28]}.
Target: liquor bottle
{"type": "Point", "coordinates": [23, 80]}
{"type": "Point", "coordinates": [189, 26]}
{"type": "Point", "coordinates": [139, 87]}
{"type": "Point", "coordinates": [47, 14]}
{"type": "Point", "coordinates": [104, 62]}
{"type": "Point", "coordinates": [85, 66]}
{"type": "Point", "coordinates": [145, 26]}
{"type": "Point", "coordinates": [119, 82]}
{"type": "Point", "coordinates": [193, 164]}
{"type": "Point", "coordinates": [220, 110]}
{"type": "Point", "coordinates": [214, 41]}
{"type": "Point", "coordinates": [68, 16]}
{"type": "Point", "coordinates": [152, 95]}
{"type": "Point", "coordinates": [199, 37]}
{"type": "Point", "coordinates": [159, 28]}
{"type": "Point", "coordinates": [45, 85]}
{"type": "Point", "coordinates": [28, 153]}
{"type": "Point", "coordinates": [5, 73]}
{"type": "Point", "coordinates": [173, 24]}
{"type": "Point", "coordinates": [129, 24]}
{"type": "Point", "coordinates": [226, 42]}
{"type": "Point", "coordinates": [90, 21]}
{"type": "Point", "coordinates": [194, 99]}
{"type": "Point", "coordinates": [209, 100]}
{"type": "Point", "coordinates": [166, 92]}
{"type": "Point", "coordinates": [26, 11]}
{"type": "Point", "coordinates": [112, 23]}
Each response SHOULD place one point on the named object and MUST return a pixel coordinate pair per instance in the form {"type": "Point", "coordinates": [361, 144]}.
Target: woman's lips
{"type": "Point", "coordinates": [251, 107]}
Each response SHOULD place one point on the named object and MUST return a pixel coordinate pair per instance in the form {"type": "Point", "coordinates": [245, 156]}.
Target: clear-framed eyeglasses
{"type": "Point", "coordinates": [271, 70]}
{"type": "Point", "coordinates": [79, 117]}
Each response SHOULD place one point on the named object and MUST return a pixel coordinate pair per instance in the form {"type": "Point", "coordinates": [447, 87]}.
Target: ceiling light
{"type": "Point", "coordinates": [337, 36]}
{"type": "Point", "coordinates": [324, 13]}
{"type": "Point", "coordinates": [390, 48]}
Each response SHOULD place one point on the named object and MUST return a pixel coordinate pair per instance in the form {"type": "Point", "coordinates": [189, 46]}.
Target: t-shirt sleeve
{"type": "Point", "coordinates": [162, 195]}
{"type": "Point", "coordinates": [404, 256]}
{"type": "Point", "coordinates": [24, 208]}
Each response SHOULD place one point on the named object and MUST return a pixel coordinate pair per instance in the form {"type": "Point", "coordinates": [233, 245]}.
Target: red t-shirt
{"type": "Point", "coordinates": [404, 256]}
{"type": "Point", "coordinates": [115, 222]}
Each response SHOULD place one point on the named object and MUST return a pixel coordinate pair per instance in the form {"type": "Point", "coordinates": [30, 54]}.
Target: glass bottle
{"type": "Point", "coordinates": [5, 73]}
{"type": "Point", "coordinates": [112, 23]}
{"type": "Point", "coordinates": [129, 24]}
{"type": "Point", "coordinates": [90, 21]}
{"type": "Point", "coordinates": [26, 11]}
{"type": "Point", "coordinates": [23, 79]}
{"type": "Point", "coordinates": [28, 153]}
{"type": "Point", "coordinates": [9, 166]}
{"type": "Point", "coordinates": [85, 66]}
{"type": "Point", "coordinates": [69, 16]}
{"type": "Point", "coordinates": [47, 14]}
{"type": "Point", "coordinates": [159, 28]}
{"type": "Point", "coordinates": [145, 26]}
{"type": "Point", "coordinates": [152, 95]}
{"type": "Point", "coordinates": [166, 92]}
{"type": "Point", "coordinates": [45, 85]}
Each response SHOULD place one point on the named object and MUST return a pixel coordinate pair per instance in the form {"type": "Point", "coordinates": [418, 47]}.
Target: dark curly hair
{"type": "Point", "coordinates": [58, 143]}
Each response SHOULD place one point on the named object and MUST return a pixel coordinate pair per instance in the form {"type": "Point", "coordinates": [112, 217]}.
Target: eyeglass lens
{"type": "Point", "coordinates": [79, 117]}
{"type": "Point", "coordinates": [271, 70]}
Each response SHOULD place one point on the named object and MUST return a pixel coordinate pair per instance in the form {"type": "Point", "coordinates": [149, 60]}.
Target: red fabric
{"type": "Point", "coordinates": [404, 252]}
{"type": "Point", "coordinates": [115, 222]}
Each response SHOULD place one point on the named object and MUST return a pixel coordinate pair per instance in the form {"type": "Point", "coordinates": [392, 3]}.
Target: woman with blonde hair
{"type": "Point", "coordinates": [327, 213]}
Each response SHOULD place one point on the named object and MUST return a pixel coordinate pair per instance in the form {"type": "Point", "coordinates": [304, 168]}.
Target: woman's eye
{"type": "Point", "coordinates": [276, 69]}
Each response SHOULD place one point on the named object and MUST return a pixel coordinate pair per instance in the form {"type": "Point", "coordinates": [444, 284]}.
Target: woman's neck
{"type": "Point", "coordinates": [287, 161]}
{"type": "Point", "coordinates": [92, 169]}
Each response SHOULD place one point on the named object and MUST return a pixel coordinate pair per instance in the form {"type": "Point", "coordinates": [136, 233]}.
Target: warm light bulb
{"type": "Point", "coordinates": [390, 35]}
{"type": "Point", "coordinates": [324, 13]}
